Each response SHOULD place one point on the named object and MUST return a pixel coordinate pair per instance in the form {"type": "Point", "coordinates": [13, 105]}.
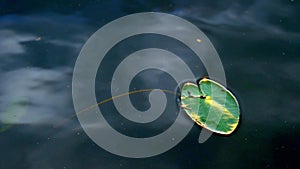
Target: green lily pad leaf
{"type": "Point", "coordinates": [211, 106]}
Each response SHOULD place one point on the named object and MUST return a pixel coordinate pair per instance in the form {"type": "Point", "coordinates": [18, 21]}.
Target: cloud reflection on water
{"type": "Point", "coordinates": [45, 90]}
{"type": "Point", "coordinates": [252, 27]}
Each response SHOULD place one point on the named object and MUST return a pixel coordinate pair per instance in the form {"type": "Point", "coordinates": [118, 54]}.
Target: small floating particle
{"type": "Point", "coordinates": [38, 38]}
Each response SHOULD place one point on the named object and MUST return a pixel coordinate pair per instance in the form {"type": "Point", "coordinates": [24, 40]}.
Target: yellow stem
{"type": "Point", "coordinates": [110, 99]}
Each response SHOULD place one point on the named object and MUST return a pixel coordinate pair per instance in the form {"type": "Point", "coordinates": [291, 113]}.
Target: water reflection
{"type": "Point", "coordinates": [257, 41]}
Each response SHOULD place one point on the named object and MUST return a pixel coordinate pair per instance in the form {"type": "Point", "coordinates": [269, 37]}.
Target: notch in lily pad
{"type": "Point", "coordinates": [211, 105]}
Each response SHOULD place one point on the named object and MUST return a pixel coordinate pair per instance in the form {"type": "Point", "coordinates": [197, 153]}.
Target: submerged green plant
{"type": "Point", "coordinates": [211, 106]}
{"type": "Point", "coordinates": [13, 114]}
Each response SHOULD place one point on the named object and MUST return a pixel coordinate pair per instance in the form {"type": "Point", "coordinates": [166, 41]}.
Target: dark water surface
{"type": "Point", "coordinates": [258, 43]}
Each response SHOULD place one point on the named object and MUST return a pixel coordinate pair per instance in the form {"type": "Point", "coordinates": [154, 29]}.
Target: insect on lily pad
{"type": "Point", "coordinates": [211, 106]}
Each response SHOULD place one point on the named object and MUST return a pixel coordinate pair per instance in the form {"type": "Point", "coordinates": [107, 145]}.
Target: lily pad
{"type": "Point", "coordinates": [211, 106]}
